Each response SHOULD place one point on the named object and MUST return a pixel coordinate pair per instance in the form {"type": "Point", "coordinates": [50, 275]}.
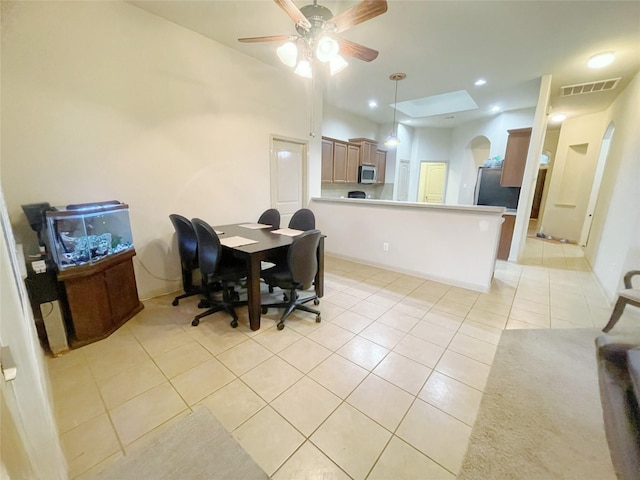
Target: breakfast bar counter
{"type": "Point", "coordinates": [454, 244]}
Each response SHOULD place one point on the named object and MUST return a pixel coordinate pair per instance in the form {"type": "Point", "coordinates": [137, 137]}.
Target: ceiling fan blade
{"type": "Point", "coordinates": [272, 38]}
{"type": "Point", "coordinates": [363, 11]}
{"type": "Point", "coordinates": [347, 47]}
{"type": "Point", "coordinates": [294, 12]}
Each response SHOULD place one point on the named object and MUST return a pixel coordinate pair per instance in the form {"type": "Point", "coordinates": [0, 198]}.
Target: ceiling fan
{"type": "Point", "coordinates": [316, 26]}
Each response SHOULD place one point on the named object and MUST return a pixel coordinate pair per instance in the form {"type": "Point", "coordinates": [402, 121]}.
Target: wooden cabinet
{"type": "Point", "coordinates": [368, 150]}
{"type": "Point", "coordinates": [353, 161]}
{"type": "Point", "coordinates": [340, 161]}
{"type": "Point", "coordinates": [381, 163]}
{"type": "Point", "coordinates": [100, 298]}
{"type": "Point", "coordinates": [504, 246]}
{"type": "Point", "coordinates": [327, 160]}
{"type": "Point", "coordinates": [515, 157]}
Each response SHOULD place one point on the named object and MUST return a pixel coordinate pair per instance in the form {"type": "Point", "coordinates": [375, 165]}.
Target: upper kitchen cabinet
{"type": "Point", "coordinates": [368, 150]}
{"type": "Point", "coordinates": [381, 162]}
{"type": "Point", "coordinates": [339, 161]}
{"type": "Point", "coordinates": [515, 157]}
{"type": "Point", "coordinates": [327, 160]}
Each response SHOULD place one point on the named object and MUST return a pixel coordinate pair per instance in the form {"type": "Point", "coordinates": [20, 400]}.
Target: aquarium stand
{"type": "Point", "coordinates": [99, 298]}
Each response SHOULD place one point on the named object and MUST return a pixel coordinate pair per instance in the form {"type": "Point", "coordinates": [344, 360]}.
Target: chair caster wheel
{"type": "Point", "coordinates": [195, 322]}
{"type": "Point", "coordinates": [203, 304]}
{"type": "Point", "coordinates": [318, 319]}
{"type": "Point", "coordinates": [234, 324]}
{"type": "Point", "coordinates": [175, 302]}
{"type": "Point", "coordinates": [316, 301]}
{"type": "Point", "coordinates": [280, 326]}
{"type": "Point", "coordinates": [264, 310]}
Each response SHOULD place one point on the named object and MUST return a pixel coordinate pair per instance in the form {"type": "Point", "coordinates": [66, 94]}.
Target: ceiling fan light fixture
{"type": "Point", "coordinates": [326, 49]}
{"type": "Point", "coordinates": [288, 54]}
{"type": "Point", "coordinates": [337, 64]}
{"type": "Point", "coordinates": [303, 69]}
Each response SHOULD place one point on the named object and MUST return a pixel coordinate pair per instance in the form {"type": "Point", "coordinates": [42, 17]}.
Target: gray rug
{"type": "Point", "coordinates": [197, 447]}
{"type": "Point", "coordinates": [540, 416]}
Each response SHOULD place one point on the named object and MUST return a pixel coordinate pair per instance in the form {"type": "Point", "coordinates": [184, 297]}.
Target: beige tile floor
{"type": "Point", "coordinates": [386, 387]}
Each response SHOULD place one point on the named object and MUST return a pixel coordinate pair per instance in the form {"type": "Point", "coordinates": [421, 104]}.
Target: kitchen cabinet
{"type": "Point", "coordinates": [353, 161]}
{"type": "Point", "coordinates": [340, 161]}
{"type": "Point", "coordinates": [381, 163]}
{"type": "Point", "coordinates": [368, 150]}
{"type": "Point", "coordinates": [327, 160]}
{"type": "Point", "coordinates": [515, 157]}
{"type": "Point", "coordinates": [504, 246]}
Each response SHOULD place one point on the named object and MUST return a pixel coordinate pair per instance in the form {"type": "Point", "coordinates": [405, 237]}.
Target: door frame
{"type": "Point", "coordinates": [272, 163]}
{"type": "Point", "coordinates": [597, 181]}
{"type": "Point", "coordinates": [27, 397]}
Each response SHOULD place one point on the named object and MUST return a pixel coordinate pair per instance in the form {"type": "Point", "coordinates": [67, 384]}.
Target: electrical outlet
{"type": "Point", "coordinates": [385, 246]}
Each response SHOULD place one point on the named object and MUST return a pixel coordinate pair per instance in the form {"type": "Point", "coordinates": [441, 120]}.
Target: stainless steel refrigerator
{"type": "Point", "coordinates": [489, 191]}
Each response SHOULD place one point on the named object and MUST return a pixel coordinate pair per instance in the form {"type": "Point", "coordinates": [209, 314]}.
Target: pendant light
{"type": "Point", "coordinates": [393, 139]}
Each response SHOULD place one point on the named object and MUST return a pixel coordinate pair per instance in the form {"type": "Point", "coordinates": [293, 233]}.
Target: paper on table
{"type": "Point", "coordinates": [290, 232]}
{"type": "Point", "coordinates": [255, 226]}
{"type": "Point", "coordinates": [236, 241]}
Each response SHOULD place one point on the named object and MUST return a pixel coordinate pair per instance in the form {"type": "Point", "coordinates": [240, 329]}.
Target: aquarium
{"type": "Point", "coordinates": [85, 234]}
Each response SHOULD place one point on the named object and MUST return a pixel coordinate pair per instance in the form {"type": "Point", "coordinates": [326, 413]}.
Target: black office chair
{"type": "Point", "coordinates": [188, 251]}
{"type": "Point", "coordinates": [303, 219]}
{"type": "Point", "coordinates": [270, 217]}
{"type": "Point", "coordinates": [298, 274]}
{"type": "Point", "coordinates": [218, 271]}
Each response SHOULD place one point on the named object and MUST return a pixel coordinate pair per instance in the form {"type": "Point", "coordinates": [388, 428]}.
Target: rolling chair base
{"type": "Point", "coordinates": [295, 305]}
{"type": "Point", "coordinates": [177, 299]}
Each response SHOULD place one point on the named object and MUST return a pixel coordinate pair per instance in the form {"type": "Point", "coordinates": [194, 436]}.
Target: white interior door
{"type": "Point", "coordinates": [597, 180]}
{"type": "Point", "coordinates": [403, 180]}
{"type": "Point", "coordinates": [288, 177]}
{"type": "Point", "coordinates": [30, 444]}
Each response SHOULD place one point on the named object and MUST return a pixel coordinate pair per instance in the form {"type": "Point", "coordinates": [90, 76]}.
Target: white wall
{"type": "Point", "coordinates": [613, 247]}
{"type": "Point", "coordinates": [441, 243]}
{"type": "Point", "coordinates": [342, 125]}
{"type": "Point", "coordinates": [101, 101]}
{"type": "Point", "coordinates": [562, 220]}
{"type": "Point", "coordinates": [430, 145]}
{"type": "Point", "coordinates": [462, 170]}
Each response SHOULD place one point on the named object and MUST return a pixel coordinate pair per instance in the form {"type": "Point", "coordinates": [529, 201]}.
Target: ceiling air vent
{"type": "Point", "coordinates": [591, 87]}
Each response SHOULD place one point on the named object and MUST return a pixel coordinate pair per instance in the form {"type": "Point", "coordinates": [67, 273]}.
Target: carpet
{"type": "Point", "coordinates": [197, 447]}
{"type": "Point", "coordinates": [540, 415]}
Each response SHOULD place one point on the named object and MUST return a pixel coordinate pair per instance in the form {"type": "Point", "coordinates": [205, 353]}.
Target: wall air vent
{"type": "Point", "coordinates": [591, 87]}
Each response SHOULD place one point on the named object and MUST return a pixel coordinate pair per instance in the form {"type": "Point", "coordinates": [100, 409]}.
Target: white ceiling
{"type": "Point", "coordinates": [443, 47]}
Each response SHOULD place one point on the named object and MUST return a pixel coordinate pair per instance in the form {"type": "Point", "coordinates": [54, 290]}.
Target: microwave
{"type": "Point", "coordinates": [366, 174]}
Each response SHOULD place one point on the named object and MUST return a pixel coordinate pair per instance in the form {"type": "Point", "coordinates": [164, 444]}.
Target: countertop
{"type": "Point", "coordinates": [432, 206]}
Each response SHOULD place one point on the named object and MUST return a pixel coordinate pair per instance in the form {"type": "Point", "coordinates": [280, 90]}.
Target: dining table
{"type": "Point", "coordinates": [255, 243]}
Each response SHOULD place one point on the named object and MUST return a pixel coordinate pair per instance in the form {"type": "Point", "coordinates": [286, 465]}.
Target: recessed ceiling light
{"type": "Point", "coordinates": [373, 104]}
{"type": "Point", "coordinates": [558, 117]}
{"type": "Point", "coordinates": [479, 82]}
{"type": "Point", "coordinates": [495, 109]}
{"type": "Point", "coordinates": [601, 60]}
